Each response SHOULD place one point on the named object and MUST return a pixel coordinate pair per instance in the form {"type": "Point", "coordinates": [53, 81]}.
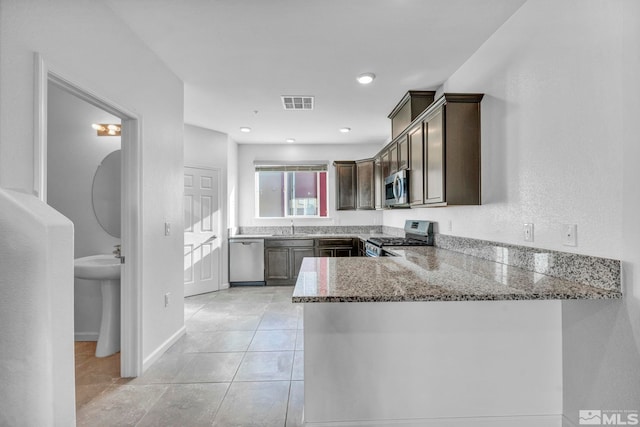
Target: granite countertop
{"type": "Point", "coordinates": [430, 274]}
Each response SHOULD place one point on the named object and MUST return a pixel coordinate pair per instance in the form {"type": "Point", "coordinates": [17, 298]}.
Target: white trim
{"type": "Point", "coordinates": [158, 352]}
{"type": "Point", "coordinates": [40, 128]}
{"type": "Point", "coordinates": [86, 336]}
{"type": "Point", "coordinates": [132, 210]}
{"type": "Point", "coordinates": [508, 421]}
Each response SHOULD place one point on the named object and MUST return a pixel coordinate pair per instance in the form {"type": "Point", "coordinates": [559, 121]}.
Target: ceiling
{"type": "Point", "coordinates": [237, 57]}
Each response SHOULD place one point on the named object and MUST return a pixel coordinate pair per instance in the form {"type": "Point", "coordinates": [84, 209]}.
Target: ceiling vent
{"type": "Point", "coordinates": [296, 102]}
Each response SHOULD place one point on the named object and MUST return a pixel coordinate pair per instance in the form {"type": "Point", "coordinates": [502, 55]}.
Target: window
{"type": "Point", "coordinates": [284, 191]}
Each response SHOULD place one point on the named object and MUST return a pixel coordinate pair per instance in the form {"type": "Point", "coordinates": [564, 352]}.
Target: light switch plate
{"type": "Point", "coordinates": [528, 232]}
{"type": "Point", "coordinates": [167, 228]}
{"type": "Point", "coordinates": [570, 234]}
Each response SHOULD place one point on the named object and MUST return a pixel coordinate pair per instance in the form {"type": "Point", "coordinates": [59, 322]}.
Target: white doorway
{"type": "Point", "coordinates": [202, 224]}
{"type": "Point", "coordinates": [131, 192]}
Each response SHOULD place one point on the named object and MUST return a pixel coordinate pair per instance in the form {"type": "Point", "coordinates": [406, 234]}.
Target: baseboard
{"type": "Point", "coordinates": [163, 348]}
{"type": "Point", "coordinates": [86, 336]}
{"type": "Point", "coordinates": [519, 421]}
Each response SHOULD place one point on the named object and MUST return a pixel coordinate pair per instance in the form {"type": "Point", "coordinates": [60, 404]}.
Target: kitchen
{"type": "Point", "coordinates": [558, 147]}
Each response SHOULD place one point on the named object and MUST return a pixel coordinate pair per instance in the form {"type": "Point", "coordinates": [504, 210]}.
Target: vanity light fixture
{"type": "Point", "coordinates": [106, 129]}
{"type": "Point", "coordinates": [245, 129]}
{"type": "Point", "coordinates": [290, 140]}
{"type": "Point", "coordinates": [365, 78]}
{"type": "Point", "coordinates": [345, 130]}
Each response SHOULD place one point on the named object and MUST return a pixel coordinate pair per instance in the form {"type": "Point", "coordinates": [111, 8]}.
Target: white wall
{"type": "Point", "coordinates": [74, 152]}
{"type": "Point", "coordinates": [248, 153]}
{"type": "Point", "coordinates": [551, 150]}
{"type": "Point", "coordinates": [560, 145]}
{"type": "Point", "coordinates": [437, 363]}
{"type": "Point", "coordinates": [601, 345]}
{"type": "Point", "coordinates": [37, 385]}
{"type": "Point", "coordinates": [72, 35]}
{"type": "Point", "coordinates": [209, 149]}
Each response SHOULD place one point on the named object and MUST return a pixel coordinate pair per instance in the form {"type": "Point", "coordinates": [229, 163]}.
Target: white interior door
{"type": "Point", "coordinates": [202, 251]}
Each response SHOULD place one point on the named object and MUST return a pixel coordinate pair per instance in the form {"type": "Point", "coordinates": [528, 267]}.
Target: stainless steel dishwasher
{"type": "Point", "coordinates": [246, 261]}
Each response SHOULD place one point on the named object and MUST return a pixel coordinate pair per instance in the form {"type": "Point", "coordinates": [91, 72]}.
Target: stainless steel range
{"type": "Point", "coordinates": [417, 233]}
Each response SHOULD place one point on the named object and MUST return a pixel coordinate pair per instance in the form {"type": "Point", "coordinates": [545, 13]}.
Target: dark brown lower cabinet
{"type": "Point", "coordinates": [337, 247]}
{"type": "Point", "coordinates": [298, 254]}
{"type": "Point", "coordinates": [335, 252]}
{"type": "Point", "coordinates": [283, 258]}
{"type": "Point", "coordinates": [277, 263]}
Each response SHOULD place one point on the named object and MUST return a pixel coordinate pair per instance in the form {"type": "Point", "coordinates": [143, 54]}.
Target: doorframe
{"type": "Point", "coordinates": [223, 210]}
{"type": "Point", "coordinates": [131, 194]}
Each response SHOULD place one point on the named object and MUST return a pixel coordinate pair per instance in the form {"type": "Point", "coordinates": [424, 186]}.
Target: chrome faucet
{"type": "Point", "coordinates": [293, 228]}
{"type": "Point", "coordinates": [117, 251]}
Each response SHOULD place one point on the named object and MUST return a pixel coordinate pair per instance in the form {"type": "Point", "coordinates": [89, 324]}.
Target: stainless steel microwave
{"type": "Point", "coordinates": [396, 189]}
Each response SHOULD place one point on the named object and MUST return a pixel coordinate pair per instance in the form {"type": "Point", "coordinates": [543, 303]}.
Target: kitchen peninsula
{"type": "Point", "coordinates": [432, 334]}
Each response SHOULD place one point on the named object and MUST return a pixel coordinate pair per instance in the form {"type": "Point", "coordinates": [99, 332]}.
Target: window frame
{"type": "Point", "coordinates": [317, 167]}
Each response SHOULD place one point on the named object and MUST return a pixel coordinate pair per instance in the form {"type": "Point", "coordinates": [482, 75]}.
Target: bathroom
{"type": "Point", "coordinates": [74, 154]}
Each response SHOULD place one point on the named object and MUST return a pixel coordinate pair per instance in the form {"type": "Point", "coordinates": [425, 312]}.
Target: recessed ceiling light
{"type": "Point", "coordinates": [345, 130]}
{"type": "Point", "coordinates": [365, 78]}
{"type": "Point", "coordinates": [291, 140]}
{"type": "Point", "coordinates": [245, 129]}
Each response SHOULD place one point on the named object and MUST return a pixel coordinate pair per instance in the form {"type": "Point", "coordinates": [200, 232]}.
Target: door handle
{"type": "Point", "coordinates": [211, 238]}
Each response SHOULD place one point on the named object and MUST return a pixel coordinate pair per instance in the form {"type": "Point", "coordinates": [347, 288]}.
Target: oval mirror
{"type": "Point", "coordinates": [106, 194]}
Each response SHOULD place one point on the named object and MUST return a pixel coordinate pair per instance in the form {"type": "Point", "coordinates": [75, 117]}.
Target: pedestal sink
{"type": "Point", "coordinates": [105, 270]}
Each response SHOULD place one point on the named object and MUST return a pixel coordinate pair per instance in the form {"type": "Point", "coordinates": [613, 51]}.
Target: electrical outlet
{"type": "Point", "coordinates": [167, 299]}
{"type": "Point", "coordinates": [528, 232]}
{"type": "Point", "coordinates": [569, 234]}
{"type": "Point", "coordinates": [167, 228]}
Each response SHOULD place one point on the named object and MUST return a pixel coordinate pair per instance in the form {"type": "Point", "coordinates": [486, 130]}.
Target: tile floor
{"type": "Point", "coordinates": [240, 364]}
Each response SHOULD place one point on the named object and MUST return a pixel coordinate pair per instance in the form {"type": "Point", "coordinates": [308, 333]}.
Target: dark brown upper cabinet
{"type": "Point", "coordinates": [452, 150]}
{"type": "Point", "coordinates": [416, 165]}
{"type": "Point", "coordinates": [403, 153]}
{"type": "Point", "coordinates": [410, 106]}
{"type": "Point", "coordinates": [393, 158]}
{"type": "Point", "coordinates": [346, 179]}
{"type": "Point", "coordinates": [386, 163]}
{"type": "Point", "coordinates": [365, 174]}
{"type": "Point", "coordinates": [378, 183]}
{"type": "Point", "coordinates": [440, 145]}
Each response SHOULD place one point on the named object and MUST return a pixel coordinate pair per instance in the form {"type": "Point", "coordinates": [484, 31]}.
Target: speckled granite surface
{"type": "Point", "coordinates": [430, 274]}
{"type": "Point", "coordinates": [599, 272]}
